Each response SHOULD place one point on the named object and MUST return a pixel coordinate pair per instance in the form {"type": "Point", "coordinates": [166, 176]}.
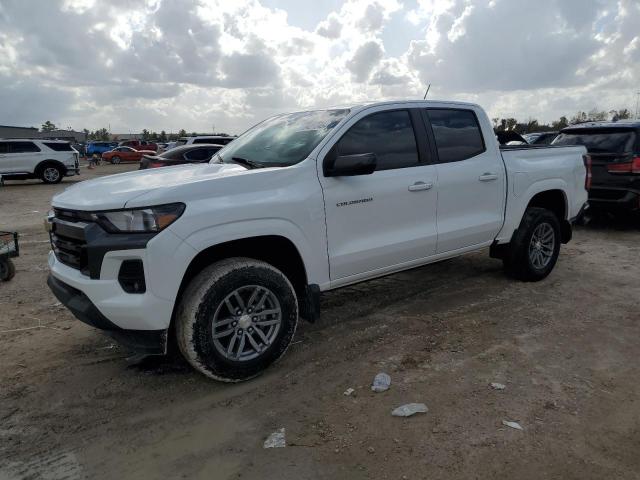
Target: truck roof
{"type": "Point", "coordinates": [427, 103]}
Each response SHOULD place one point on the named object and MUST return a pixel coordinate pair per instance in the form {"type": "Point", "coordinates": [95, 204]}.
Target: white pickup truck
{"type": "Point", "coordinates": [224, 257]}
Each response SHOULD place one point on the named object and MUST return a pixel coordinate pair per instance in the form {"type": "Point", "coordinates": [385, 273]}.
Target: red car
{"type": "Point", "coordinates": [139, 145]}
{"type": "Point", "coordinates": [125, 154]}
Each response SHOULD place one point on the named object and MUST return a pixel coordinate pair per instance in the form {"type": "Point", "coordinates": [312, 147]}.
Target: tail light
{"type": "Point", "coordinates": [588, 176]}
{"type": "Point", "coordinates": [628, 167]}
{"type": "Point", "coordinates": [155, 164]}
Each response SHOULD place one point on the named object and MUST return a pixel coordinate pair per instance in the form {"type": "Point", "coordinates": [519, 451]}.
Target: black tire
{"type": "Point", "coordinates": [7, 269]}
{"type": "Point", "coordinates": [204, 298]}
{"type": "Point", "coordinates": [115, 160]}
{"type": "Point", "coordinates": [51, 174]}
{"type": "Point", "coordinates": [518, 261]}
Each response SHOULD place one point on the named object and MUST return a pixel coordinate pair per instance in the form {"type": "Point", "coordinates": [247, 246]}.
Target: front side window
{"type": "Point", "coordinates": [23, 147]}
{"type": "Point", "coordinates": [283, 140]}
{"type": "Point", "coordinates": [457, 133]}
{"type": "Point", "coordinates": [388, 135]}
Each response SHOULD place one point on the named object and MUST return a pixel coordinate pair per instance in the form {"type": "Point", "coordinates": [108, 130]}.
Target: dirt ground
{"type": "Point", "coordinates": [73, 406]}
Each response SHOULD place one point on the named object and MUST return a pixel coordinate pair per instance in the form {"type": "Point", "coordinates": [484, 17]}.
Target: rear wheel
{"type": "Point", "coordinates": [7, 270]}
{"type": "Point", "coordinates": [534, 249]}
{"type": "Point", "coordinates": [236, 318]}
{"type": "Point", "coordinates": [115, 160]}
{"type": "Point", "coordinates": [51, 174]}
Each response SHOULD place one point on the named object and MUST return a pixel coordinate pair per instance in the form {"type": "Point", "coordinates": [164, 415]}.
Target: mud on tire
{"type": "Point", "coordinates": [210, 309]}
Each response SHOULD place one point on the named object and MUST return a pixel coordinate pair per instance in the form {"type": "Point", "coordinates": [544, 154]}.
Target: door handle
{"type": "Point", "coordinates": [487, 177]}
{"type": "Point", "coordinates": [419, 186]}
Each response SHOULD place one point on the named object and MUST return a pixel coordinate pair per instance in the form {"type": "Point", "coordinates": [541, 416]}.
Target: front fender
{"type": "Point", "coordinates": [314, 258]}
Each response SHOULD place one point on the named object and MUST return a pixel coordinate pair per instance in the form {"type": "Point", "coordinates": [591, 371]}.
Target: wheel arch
{"type": "Point", "coordinates": [50, 161]}
{"type": "Point", "coordinates": [554, 200]}
{"type": "Point", "coordinates": [276, 250]}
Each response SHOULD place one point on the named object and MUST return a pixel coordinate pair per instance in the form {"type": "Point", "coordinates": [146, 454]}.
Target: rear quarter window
{"type": "Point", "coordinates": [457, 134]}
{"type": "Point", "coordinates": [600, 141]}
{"type": "Point", "coordinates": [59, 147]}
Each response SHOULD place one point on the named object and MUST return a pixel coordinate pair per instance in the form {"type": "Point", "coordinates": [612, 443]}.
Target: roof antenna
{"type": "Point", "coordinates": [427, 92]}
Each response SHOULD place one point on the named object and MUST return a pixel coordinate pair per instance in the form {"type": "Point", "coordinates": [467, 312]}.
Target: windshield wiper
{"type": "Point", "coordinates": [249, 164]}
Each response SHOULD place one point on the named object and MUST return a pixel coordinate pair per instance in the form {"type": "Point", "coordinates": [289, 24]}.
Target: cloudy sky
{"type": "Point", "coordinates": [226, 64]}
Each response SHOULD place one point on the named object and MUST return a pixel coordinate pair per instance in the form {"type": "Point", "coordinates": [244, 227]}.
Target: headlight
{"type": "Point", "coordinates": [140, 220]}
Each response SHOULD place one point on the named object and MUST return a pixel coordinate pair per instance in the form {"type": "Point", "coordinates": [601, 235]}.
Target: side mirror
{"type": "Point", "coordinates": [349, 165]}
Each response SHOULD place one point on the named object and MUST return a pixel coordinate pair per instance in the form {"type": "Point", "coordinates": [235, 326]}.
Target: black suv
{"type": "Point", "coordinates": [614, 148]}
{"type": "Point", "coordinates": [200, 153]}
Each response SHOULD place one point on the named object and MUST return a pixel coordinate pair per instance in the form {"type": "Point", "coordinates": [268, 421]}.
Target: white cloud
{"type": "Point", "coordinates": [170, 64]}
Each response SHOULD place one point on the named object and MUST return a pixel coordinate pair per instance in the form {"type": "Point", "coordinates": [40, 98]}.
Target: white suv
{"type": "Point", "coordinates": [48, 160]}
{"type": "Point", "coordinates": [215, 139]}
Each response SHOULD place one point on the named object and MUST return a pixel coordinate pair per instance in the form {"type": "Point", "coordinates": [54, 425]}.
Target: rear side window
{"type": "Point", "coordinates": [600, 141]}
{"type": "Point", "coordinates": [23, 147]}
{"type": "Point", "coordinates": [457, 133]}
{"type": "Point", "coordinates": [203, 140]}
{"type": "Point", "coordinates": [58, 146]}
{"type": "Point", "coordinates": [389, 135]}
{"type": "Point", "coordinates": [199, 155]}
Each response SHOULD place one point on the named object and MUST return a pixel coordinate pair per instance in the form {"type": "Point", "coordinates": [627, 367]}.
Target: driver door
{"type": "Point", "coordinates": [383, 220]}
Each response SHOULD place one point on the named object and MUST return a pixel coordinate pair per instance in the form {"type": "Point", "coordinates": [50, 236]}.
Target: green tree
{"type": "Point", "coordinates": [48, 126]}
{"type": "Point", "coordinates": [163, 136]}
{"type": "Point", "coordinates": [561, 123]}
{"type": "Point", "coordinates": [145, 134]}
{"type": "Point", "coordinates": [182, 133]}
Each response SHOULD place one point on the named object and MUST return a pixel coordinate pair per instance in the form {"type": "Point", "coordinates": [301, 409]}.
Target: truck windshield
{"type": "Point", "coordinates": [599, 141]}
{"type": "Point", "coordinates": [281, 141]}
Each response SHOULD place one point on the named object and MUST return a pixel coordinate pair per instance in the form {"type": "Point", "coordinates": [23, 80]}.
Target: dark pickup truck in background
{"type": "Point", "coordinates": [614, 148]}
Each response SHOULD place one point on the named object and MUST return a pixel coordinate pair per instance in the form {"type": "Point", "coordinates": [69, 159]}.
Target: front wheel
{"type": "Point", "coordinates": [236, 318]}
{"type": "Point", "coordinates": [534, 248]}
{"type": "Point", "coordinates": [115, 160]}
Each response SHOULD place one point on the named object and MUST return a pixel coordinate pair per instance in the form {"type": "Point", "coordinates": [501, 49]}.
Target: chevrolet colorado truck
{"type": "Point", "coordinates": [223, 258]}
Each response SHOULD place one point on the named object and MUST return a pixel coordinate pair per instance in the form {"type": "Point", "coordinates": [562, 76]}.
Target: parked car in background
{"type": "Point", "coordinates": [614, 148]}
{"type": "Point", "coordinates": [139, 145]}
{"type": "Point", "coordinates": [200, 153]}
{"type": "Point", "coordinates": [99, 147]}
{"type": "Point", "coordinates": [215, 139]}
{"type": "Point", "coordinates": [540, 138]}
{"type": "Point", "coordinates": [125, 154]}
{"type": "Point", "coordinates": [48, 160]}
{"type": "Point", "coordinates": [225, 257]}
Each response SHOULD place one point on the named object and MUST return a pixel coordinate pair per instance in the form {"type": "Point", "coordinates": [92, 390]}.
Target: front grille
{"type": "Point", "coordinates": [68, 239]}
{"type": "Point", "coordinates": [72, 215]}
{"type": "Point", "coordinates": [70, 251]}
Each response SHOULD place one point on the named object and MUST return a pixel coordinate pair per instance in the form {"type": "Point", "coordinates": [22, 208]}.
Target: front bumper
{"type": "Point", "coordinates": [149, 342]}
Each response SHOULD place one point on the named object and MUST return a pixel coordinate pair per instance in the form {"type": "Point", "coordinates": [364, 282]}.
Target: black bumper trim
{"type": "Point", "coordinates": [149, 342]}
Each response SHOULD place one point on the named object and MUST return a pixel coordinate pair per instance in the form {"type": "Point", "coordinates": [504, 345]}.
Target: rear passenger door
{"type": "Point", "coordinates": [471, 179]}
{"type": "Point", "coordinates": [385, 219]}
{"type": "Point", "coordinates": [23, 156]}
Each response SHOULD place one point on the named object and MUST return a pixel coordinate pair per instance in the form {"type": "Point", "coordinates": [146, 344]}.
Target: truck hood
{"type": "Point", "coordinates": [114, 191]}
